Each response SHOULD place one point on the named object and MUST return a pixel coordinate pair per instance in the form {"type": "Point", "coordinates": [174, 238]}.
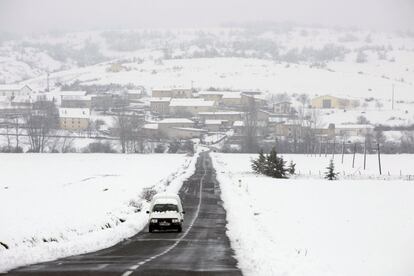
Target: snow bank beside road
{"type": "Point", "coordinates": [316, 227]}
{"type": "Point", "coordinates": [59, 205]}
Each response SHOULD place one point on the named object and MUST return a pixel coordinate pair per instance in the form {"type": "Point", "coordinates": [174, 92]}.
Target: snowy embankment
{"type": "Point", "coordinates": [311, 226]}
{"type": "Point", "coordinates": [53, 205]}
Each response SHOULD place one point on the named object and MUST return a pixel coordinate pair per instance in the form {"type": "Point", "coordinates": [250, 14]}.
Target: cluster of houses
{"type": "Point", "coordinates": [184, 113]}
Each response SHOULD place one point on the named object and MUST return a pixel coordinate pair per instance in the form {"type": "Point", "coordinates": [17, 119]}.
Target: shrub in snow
{"type": "Point", "coordinates": [135, 203]}
{"type": "Point", "coordinates": [148, 194]}
{"type": "Point", "coordinates": [99, 148]}
{"type": "Point", "coordinates": [270, 165]}
{"type": "Point", "coordinates": [189, 146]}
{"type": "Point", "coordinates": [331, 174]}
{"type": "Point", "coordinates": [361, 57]}
{"type": "Point", "coordinates": [159, 148]}
{"type": "Point", "coordinates": [173, 147]}
{"type": "Point", "coordinates": [292, 168]}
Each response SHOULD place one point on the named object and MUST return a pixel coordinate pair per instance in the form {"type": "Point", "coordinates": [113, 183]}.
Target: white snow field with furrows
{"type": "Point", "coordinates": [360, 225]}
{"type": "Point", "coordinates": [54, 205]}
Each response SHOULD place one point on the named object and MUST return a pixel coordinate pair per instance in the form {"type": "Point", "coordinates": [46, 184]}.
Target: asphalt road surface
{"type": "Point", "coordinates": [201, 249]}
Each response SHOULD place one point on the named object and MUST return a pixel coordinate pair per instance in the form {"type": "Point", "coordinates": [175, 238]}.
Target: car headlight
{"type": "Point", "coordinates": [174, 220]}
{"type": "Point", "coordinates": [154, 220]}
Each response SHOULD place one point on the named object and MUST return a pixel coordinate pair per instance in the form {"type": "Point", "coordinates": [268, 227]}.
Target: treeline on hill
{"type": "Point", "coordinates": [94, 88]}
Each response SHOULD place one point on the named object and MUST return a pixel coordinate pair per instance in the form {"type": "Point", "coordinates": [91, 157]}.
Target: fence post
{"type": "Point", "coordinates": [379, 158]}
{"type": "Point", "coordinates": [353, 158]}
{"type": "Point", "coordinates": [365, 153]}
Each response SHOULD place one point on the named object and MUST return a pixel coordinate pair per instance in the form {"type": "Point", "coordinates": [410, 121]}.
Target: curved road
{"type": "Point", "coordinates": [201, 249]}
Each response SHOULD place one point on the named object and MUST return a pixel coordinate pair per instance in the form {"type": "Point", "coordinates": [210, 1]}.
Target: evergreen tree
{"type": "Point", "coordinates": [259, 164]}
{"type": "Point", "coordinates": [270, 165]}
{"type": "Point", "coordinates": [275, 166]}
{"type": "Point", "coordinates": [331, 174]}
{"type": "Point", "coordinates": [292, 168]}
{"type": "Point", "coordinates": [281, 170]}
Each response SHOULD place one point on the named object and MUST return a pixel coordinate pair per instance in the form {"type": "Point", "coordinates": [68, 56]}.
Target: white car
{"type": "Point", "coordinates": [166, 212]}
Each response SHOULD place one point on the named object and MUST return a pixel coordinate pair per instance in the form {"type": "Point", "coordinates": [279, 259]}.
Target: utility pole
{"type": "Point", "coordinates": [343, 150]}
{"type": "Point", "coordinates": [47, 84]}
{"type": "Point", "coordinates": [353, 158]}
{"type": "Point", "coordinates": [333, 149]}
{"type": "Point", "coordinates": [379, 158]}
{"type": "Point", "coordinates": [365, 152]}
{"type": "Point", "coordinates": [320, 147]}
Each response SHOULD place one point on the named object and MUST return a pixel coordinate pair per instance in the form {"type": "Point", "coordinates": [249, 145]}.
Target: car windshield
{"type": "Point", "coordinates": [165, 207]}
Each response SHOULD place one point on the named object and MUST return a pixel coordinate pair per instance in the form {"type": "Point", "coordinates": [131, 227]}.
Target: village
{"type": "Point", "coordinates": [228, 121]}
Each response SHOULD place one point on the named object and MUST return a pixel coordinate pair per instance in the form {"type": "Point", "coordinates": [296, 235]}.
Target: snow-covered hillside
{"type": "Point", "coordinates": [308, 60]}
{"type": "Point", "coordinates": [361, 225]}
{"type": "Point", "coordinates": [58, 205]}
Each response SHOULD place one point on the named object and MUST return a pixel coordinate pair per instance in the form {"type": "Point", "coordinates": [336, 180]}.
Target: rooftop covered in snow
{"type": "Point", "coordinates": [176, 121]}
{"type": "Point", "coordinates": [79, 113]}
{"type": "Point", "coordinates": [191, 102]}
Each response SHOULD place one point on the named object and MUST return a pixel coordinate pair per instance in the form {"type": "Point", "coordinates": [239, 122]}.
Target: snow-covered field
{"type": "Point", "coordinates": [310, 226]}
{"type": "Point", "coordinates": [54, 205]}
{"type": "Point", "coordinates": [240, 74]}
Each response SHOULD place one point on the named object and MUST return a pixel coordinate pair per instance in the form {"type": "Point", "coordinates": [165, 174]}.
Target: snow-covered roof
{"type": "Point", "coordinates": [221, 113]}
{"type": "Point", "coordinates": [191, 102]}
{"type": "Point", "coordinates": [210, 93]}
{"type": "Point", "coordinates": [69, 93]}
{"type": "Point", "coordinates": [160, 99]}
{"type": "Point", "coordinates": [77, 97]}
{"type": "Point", "coordinates": [214, 122]}
{"type": "Point", "coordinates": [190, 129]}
{"type": "Point", "coordinates": [354, 126]}
{"type": "Point", "coordinates": [12, 87]}
{"type": "Point", "coordinates": [81, 113]}
{"type": "Point", "coordinates": [150, 126]}
{"type": "Point", "coordinates": [176, 121]}
{"type": "Point", "coordinates": [169, 88]}
{"type": "Point", "coordinates": [238, 123]}
{"type": "Point", "coordinates": [165, 201]}
{"type": "Point", "coordinates": [232, 95]}
{"type": "Point", "coordinates": [135, 91]}
{"type": "Point", "coordinates": [225, 94]}
{"type": "Point", "coordinates": [277, 119]}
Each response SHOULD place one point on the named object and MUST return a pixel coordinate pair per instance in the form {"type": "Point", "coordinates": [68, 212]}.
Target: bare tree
{"type": "Point", "coordinates": [128, 128]}
{"type": "Point", "coordinates": [40, 122]}
{"type": "Point", "coordinates": [250, 143]}
{"type": "Point", "coordinates": [67, 145]}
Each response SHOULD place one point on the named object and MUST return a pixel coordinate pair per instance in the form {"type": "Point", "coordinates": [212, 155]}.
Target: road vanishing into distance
{"type": "Point", "coordinates": [201, 249]}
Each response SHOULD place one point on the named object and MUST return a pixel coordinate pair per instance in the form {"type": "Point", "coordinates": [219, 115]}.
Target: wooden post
{"type": "Point", "coordinates": [320, 148]}
{"type": "Point", "coordinates": [365, 153]}
{"type": "Point", "coordinates": [379, 158]}
{"type": "Point", "coordinates": [333, 149]}
{"type": "Point", "coordinates": [343, 149]}
{"type": "Point", "coordinates": [353, 159]}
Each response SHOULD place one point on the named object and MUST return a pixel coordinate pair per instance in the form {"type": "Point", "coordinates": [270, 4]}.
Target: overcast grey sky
{"type": "Point", "coordinates": [44, 15]}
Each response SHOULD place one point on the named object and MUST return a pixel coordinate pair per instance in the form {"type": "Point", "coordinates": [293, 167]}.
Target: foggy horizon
{"type": "Point", "coordinates": [24, 16]}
